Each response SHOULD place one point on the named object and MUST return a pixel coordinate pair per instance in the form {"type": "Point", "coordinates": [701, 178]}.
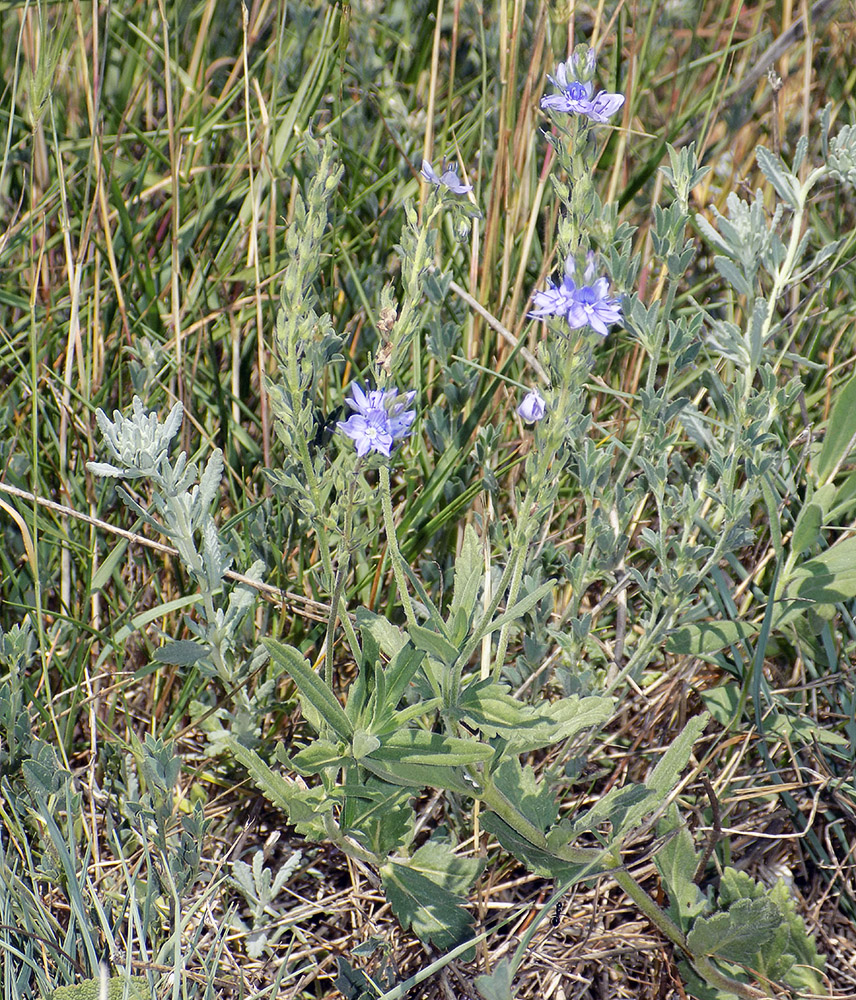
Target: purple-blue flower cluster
{"type": "Point", "coordinates": [574, 96]}
{"type": "Point", "coordinates": [448, 177]}
{"type": "Point", "coordinates": [588, 304]}
{"type": "Point", "coordinates": [379, 421]}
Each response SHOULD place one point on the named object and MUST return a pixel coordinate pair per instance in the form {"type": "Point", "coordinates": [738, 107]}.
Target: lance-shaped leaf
{"type": "Point", "coordinates": [420, 775]}
{"type": "Point", "coordinates": [676, 862]}
{"type": "Point", "coordinates": [305, 807]}
{"type": "Point", "coordinates": [708, 637]}
{"type": "Point", "coordinates": [517, 610]}
{"type": "Point", "coordinates": [559, 721]}
{"type": "Point", "coordinates": [311, 687]}
{"type": "Point", "coordinates": [416, 746]}
{"type": "Point", "coordinates": [665, 775]}
{"type": "Point", "coordinates": [181, 652]}
{"type": "Point", "coordinates": [434, 644]}
{"type": "Point", "coordinates": [786, 185]}
{"type": "Point", "coordinates": [536, 858]}
{"type": "Point", "coordinates": [840, 432]}
{"type": "Point", "coordinates": [469, 569]}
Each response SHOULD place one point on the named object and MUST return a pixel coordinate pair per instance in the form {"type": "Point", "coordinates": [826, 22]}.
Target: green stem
{"type": "Point", "coordinates": [342, 562]}
{"type": "Point", "coordinates": [653, 365]}
{"type": "Point", "coordinates": [522, 537]}
{"type": "Point", "coordinates": [496, 801]}
{"type": "Point", "coordinates": [394, 551]}
{"type": "Point", "coordinates": [669, 929]}
{"type": "Point", "coordinates": [785, 270]}
{"type": "Point", "coordinates": [296, 390]}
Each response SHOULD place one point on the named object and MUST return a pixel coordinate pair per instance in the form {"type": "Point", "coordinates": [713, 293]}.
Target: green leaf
{"type": "Point", "coordinates": [425, 893]}
{"type": "Point", "coordinates": [318, 755]}
{"type": "Point", "coordinates": [434, 644]}
{"type": "Point", "coordinates": [786, 185]}
{"type": "Point", "coordinates": [840, 432]}
{"type": "Point", "coordinates": [452, 871]}
{"type": "Point", "coordinates": [352, 983]}
{"type": "Point", "coordinates": [676, 862]}
{"type": "Point", "coordinates": [311, 687]}
{"type": "Point", "coordinates": [399, 673]}
{"type": "Point", "coordinates": [709, 637]}
{"type": "Point", "coordinates": [733, 275]}
{"type": "Point", "coordinates": [144, 618]}
{"type": "Point", "coordinates": [496, 986]}
{"type": "Point", "coordinates": [624, 808]}
{"type": "Point", "coordinates": [517, 610]}
{"type": "Point", "coordinates": [112, 561]}
{"type": "Point", "coordinates": [666, 774]}
{"type": "Point", "coordinates": [489, 707]}
{"type": "Point", "coordinates": [304, 807]}
{"type": "Point", "coordinates": [737, 935]}
{"type": "Point", "coordinates": [722, 701]}
{"type": "Point", "coordinates": [363, 744]}
{"type": "Point", "coordinates": [736, 885]}
{"type": "Point", "coordinates": [829, 577]}
{"type": "Point", "coordinates": [536, 859]}
{"type": "Point", "coordinates": [388, 636]}
{"type": "Point", "coordinates": [118, 987]}
{"type": "Point", "coordinates": [803, 730]}
{"type": "Point", "coordinates": [807, 528]}
{"type": "Point", "coordinates": [560, 721]}
{"type": "Point", "coordinates": [469, 570]}
{"type": "Point", "coordinates": [418, 775]}
{"type": "Point", "coordinates": [805, 974]}
{"type": "Point", "coordinates": [535, 801]}
{"type": "Point", "coordinates": [378, 813]}
{"type": "Point", "coordinates": [416, 746]}
{"type": "Point", "coordinates": [791, 955]}
{"type": "Point", "coordinates": [181, 652]}
{"type": "Point", "coordinates": [43, 775]}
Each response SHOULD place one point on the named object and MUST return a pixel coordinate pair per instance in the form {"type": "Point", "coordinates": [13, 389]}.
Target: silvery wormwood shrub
{"type": "Point", "coordinates": [418, 715]}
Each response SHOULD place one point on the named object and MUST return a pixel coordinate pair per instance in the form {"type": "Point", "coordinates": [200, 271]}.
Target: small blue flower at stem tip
{"type": "Point", "coordinates": [574, 97]}
{"type": "Point", "coordinates": [533, 407]}
{"type": "Point", "coordinates": [379, 420]}
{"type": "Point", "coordinates": [448, 178]}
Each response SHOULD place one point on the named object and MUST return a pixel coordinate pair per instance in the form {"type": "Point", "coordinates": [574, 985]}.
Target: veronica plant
{"type": "Point", "coordinates": [421, 712]}
{"type": "Point", "coordinates": [180, 509]}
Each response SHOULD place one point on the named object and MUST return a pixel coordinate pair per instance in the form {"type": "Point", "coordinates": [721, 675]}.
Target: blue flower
{"type": "Point", "coordinates": [583, 305]}
{"type": "Point", "coordinates": [574, 97]}
{"type": "Point", "coordinates": [557, 300]}
{"type": "Point", "coordinates": [593, 307]}
{"type": "Point", "coordinates": [379, 421]}
{"type": "Point", "coordinates": [448, 178]}
{"type": "Point", "coordinates": [533, 407]}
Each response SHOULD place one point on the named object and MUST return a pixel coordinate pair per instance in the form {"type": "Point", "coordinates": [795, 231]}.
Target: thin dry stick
{"type": "Point", "coordinates": [715, 833]}
{"type": "Point", "coordinates": [316, 610]}
{"type": "Point", "coordinates": [506, 334]}
{"type": "Point", "coordinates": [253, 248]}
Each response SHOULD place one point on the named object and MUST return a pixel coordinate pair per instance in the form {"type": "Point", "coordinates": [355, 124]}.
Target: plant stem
{"type": "Point", "coordinates": [342, 562]}
{"type": "Point", "coordinates": [392, 542]}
